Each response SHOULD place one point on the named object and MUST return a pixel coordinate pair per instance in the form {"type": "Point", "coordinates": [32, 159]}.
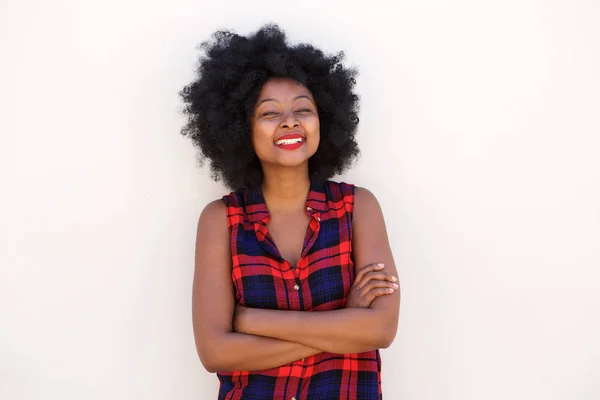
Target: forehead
{"type": "Point", "coordinates": [282, 89]}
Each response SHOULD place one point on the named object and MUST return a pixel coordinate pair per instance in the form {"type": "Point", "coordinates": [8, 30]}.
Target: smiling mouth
{"type": "Point", "coordinates": [289, 141]}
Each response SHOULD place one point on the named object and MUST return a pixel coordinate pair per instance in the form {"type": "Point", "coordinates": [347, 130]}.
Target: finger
{"type": "Point", "coordinates": [377, 276]}
{"type": "Point", "coordinates": [378, 284]}
{"type": "Point", "coordinates": [378, 292]}
{"type": "Point", "coordinates": [364, 270]}
{"type": "Point", "coordinates": [381, 275]}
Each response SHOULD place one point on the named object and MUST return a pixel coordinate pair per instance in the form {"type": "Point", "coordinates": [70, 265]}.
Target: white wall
{"type": "Point", "coordinates": [480, 136]}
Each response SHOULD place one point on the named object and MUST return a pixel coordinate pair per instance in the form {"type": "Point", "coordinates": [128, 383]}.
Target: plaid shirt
{"type": "Point", "coordinates": [319, 282]}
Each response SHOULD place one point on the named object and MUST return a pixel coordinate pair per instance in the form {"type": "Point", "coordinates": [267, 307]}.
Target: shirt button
{"type": "Point", "coordinates": [308, 208]}
{"type": "Point", "coordinates": [293, 398]}
{"type": "Point", "coordinates": [319, 219]}
{"type": "Point", "coordinates": [296, 287]}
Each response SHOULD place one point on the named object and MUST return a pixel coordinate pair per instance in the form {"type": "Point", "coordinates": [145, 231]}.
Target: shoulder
{"type": "Point", "coordinates": [213, 215]}
{"type": "Point", "coordinates": [366, 205]}
{"type": "Point", "coordinates": [363, 197]}
{"type": "Point", "coordinates": [223, 212]}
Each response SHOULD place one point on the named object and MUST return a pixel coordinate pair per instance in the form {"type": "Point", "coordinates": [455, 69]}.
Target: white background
{"type": "Point", "coordinates": [479, 134]}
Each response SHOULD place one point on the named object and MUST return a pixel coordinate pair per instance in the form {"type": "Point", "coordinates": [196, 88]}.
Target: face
{"type": "Point", "coordinates": [285, 124]}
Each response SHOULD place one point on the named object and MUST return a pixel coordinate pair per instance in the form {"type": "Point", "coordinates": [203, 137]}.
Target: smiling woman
{"type": "Point", "coordinates": [295, 287]}
{"type": "Point", "coordinates": [286, 115]}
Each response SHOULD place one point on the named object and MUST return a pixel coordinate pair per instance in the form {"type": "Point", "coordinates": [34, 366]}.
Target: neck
{"type": "Point", "coordinates": [285, 189]}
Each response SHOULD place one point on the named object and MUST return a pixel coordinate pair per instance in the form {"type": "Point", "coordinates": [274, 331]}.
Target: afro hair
{"type": "Point", "coordinates": [220, 101]}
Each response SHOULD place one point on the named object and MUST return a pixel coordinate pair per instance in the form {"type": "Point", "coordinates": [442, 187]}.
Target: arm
{"type": "Point", "coordinates": [213, 303]}
{"type": "Point", "coordinates": [349, 330]}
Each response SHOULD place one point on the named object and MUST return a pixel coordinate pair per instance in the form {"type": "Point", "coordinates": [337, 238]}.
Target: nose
{"type": "Point", "coordinates": [289, 120]}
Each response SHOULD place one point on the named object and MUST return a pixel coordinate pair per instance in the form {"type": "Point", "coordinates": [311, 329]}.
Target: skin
{"type": "Point", "coordinates": [285, 107]}
{"type": "Point", "coordinates": [230, 337]}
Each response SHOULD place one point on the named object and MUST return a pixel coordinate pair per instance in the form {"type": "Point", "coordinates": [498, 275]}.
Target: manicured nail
{"type": "Point", "coordinates": [390, 289]}
{"type": "Point", "coordinates": [394, 279]}
{"type": "Point", "coordinates": [380, 265]}
{"type": "Point", "coordinates": [395, 285]}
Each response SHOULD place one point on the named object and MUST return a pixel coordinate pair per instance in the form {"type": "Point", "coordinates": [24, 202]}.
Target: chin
{"type": "Point", "coordinates": [292, 161]}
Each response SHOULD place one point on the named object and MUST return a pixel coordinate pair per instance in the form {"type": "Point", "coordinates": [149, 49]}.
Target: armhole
{"type": "Point", "coordinates": [229, 202]}
{"type": "Point", "coordinates": [347, 191]}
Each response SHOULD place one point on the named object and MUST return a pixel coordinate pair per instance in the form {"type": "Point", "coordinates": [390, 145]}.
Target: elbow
{"type": "Point", "coordinates": [386, 339]}
{"type": "Point", "coordinates": [380, 339]}
{"type": "Point", "coordinates": [209, 362]}
{"type": "Point", "coordinates": [216, 353]}
{"type": "Point", "coordinates": [387, 335]}
{"type": "Point", "coordinates": [211, 357]}
{"type": "Point", "coordinates": [210, 368]}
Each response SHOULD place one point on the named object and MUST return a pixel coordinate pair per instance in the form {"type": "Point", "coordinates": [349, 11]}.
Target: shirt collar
{"type": "Point", "coordinates": [257, 211]}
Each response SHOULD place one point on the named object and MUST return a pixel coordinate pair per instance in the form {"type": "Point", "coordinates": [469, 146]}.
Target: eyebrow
{"type": "Point", "coordinates": [295, 98]}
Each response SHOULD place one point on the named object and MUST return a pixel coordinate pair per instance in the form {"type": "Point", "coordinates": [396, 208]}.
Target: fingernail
{"type": "Point", "coordinates": [394, 279]}
{"type": "Point", "coordinates": [390, 289]}
{"type": "Point", "coordinates": [395, 285]}
{"type": "Point", "coordinates": [380, 265]}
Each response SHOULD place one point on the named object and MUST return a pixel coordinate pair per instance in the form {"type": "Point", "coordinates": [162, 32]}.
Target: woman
{"type": "Point", "coordinates": [295, 286]}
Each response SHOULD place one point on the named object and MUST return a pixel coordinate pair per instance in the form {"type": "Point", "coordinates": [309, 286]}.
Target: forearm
{"type": "Point", "coordinates": [349, 330]}
{"type": "Point", "coordinates": [244, 352]}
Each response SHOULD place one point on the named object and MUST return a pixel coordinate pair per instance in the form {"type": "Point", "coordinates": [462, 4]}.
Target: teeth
{"type": "Point", "coordinates": [288, 141]}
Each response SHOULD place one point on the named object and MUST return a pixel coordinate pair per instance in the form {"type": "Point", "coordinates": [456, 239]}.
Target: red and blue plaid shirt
{"type": "Point", "coordinates": [319, 282]}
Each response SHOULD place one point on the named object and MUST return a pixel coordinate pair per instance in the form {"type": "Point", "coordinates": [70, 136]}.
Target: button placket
{"type": "Point", "coordinates": [313, 213]}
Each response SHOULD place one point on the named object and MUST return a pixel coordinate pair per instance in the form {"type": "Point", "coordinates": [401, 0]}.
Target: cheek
{"type": "Point", "coordinates": [315, 136]}
{"type": "Point", "coordinates": [259, 133]}
{"type": "Point", "coordinates": [310, 125]}
{"type": "Point", "coordinates": [262, 138]}
{"type": "Point", "coordinates": [314, 128]}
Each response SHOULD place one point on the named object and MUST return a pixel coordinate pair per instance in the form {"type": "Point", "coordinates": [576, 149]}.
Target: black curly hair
{"type": "Point", "coordinates": [219, 103]}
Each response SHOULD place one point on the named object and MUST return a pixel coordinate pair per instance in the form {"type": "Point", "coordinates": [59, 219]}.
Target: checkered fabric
{"type": "Point", "coordinates": [319, 282]}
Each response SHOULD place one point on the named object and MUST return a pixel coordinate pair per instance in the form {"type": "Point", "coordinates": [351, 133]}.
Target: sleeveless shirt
{"type": "Point", "coordinates": [320, 281]}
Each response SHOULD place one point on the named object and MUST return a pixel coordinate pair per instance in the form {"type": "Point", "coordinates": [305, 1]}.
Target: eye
{"type": "Point", "coordinates": [269, 113]}
{"type": "Point", "coordinates": [304, 110]}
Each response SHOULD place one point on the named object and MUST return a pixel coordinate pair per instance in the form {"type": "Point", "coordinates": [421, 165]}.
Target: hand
{"type": "Point", "coordinates": [370, 282]}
